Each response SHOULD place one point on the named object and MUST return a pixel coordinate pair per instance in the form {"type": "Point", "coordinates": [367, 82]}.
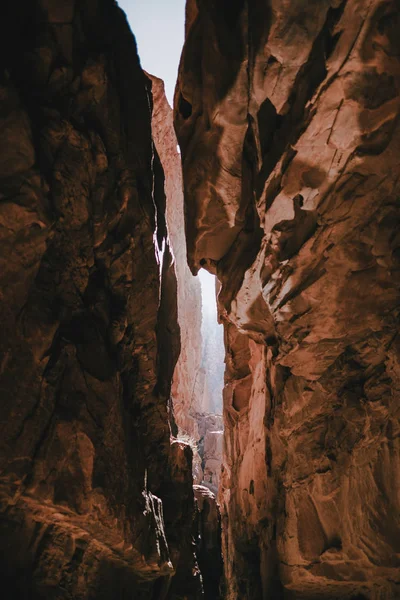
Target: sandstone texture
{"type": "Point", "coordinates": [287, 118]}
{"type": "Point", "coordinates": [95, 500]}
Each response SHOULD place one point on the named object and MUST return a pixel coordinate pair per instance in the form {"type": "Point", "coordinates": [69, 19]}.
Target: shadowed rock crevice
{"type": "Point", "coordinates": [196, 395]}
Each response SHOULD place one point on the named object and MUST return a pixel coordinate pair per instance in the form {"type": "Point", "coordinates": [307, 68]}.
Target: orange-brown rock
{"type": "Point", "coordinates": [95, 501]}
{"type": "Point", "coordinates": [287, 118]}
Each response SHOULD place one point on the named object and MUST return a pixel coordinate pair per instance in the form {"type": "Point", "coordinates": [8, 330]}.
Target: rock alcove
{"type": "Point", "coordinates": [286, 115]}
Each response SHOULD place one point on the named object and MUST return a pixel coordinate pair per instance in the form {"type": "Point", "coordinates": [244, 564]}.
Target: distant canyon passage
{"type": "Point", "coordinates": [287, 117]}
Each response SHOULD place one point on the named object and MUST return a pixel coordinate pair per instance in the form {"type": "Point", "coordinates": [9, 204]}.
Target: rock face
{"type": "Point", "coordinates": [287, 118]}
{"type": "Point", "coordinates": [95, 501]}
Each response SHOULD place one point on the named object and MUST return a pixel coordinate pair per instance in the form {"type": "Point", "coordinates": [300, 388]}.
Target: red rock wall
{"type": "Point", "coordinates": [95, 502]}
{"type": "Point", "coordinates": [287, 117]}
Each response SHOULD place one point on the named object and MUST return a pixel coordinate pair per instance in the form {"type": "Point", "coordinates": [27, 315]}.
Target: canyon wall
{"type": "Point", "coordinates": [287, 118]}
{"type": "Point", "coordinates": [95, 500]}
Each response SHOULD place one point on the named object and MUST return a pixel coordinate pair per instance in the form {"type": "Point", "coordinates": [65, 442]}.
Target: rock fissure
{"type": "Point", "coordinates": [121, 474]}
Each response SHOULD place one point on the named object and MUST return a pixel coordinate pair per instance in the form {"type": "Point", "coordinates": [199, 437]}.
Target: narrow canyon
{"type": "Point", "coordinates": [131, 467]}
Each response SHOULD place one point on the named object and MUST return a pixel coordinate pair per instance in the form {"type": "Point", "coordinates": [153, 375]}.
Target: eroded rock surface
{"type": "Point", "coordinates": [95, 501]}
{"type": "Point", "coordinates": [287, 118]}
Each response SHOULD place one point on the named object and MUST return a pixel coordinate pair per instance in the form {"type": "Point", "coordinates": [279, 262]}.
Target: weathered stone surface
{"type": "Point", "coordinates": [95, 502]}
{"type": "Point", "coordinates": [287, 118]}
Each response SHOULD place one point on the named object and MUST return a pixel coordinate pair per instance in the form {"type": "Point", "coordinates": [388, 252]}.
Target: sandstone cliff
{"type": "Point", "coordinates": [287, 118]}
{"type": "Point", "coordinates": [95, 501]}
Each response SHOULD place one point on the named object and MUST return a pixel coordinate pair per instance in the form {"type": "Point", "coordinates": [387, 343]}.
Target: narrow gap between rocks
{"type": "Point", "coordinates": [212, 370]}
{"type": "Point", "coordinates": [196, 402]}
{"type": "Point", "coordinates": [199, 375]}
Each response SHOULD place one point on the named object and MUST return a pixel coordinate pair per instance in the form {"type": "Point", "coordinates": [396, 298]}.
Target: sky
{"type": "Point", "coordinates": [159, 28]}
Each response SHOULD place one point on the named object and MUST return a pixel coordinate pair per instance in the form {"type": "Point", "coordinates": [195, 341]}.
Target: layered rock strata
{"type": "Point", "coordinates": [95, 501]}
{"type": "Point", "coordinates": [287, 119]}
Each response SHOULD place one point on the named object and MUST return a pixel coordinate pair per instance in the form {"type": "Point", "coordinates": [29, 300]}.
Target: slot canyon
{"type": "Point", "coordinates": [199, 349]}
